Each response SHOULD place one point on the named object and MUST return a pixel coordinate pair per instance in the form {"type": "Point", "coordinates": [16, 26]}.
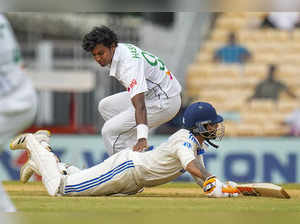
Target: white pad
{"type": "Point", "coordinates": [46, 163]}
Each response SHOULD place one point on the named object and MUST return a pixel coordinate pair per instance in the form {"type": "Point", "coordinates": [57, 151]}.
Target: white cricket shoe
{"type": "Point", "coordinates": [42, 136]}
{"type": "Point", "coordinates": [19, 143]}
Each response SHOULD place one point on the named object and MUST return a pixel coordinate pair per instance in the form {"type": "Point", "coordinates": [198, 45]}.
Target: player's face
{"type": "Point", "coordinates": [103, 55]}
{"type": "Point", "coordinates": [212, 127]}
{"type": "Point", "coordinates": [216, 131]}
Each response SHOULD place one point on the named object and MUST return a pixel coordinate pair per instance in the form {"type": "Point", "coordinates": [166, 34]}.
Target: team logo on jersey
{"type": "Point", "coordinates": [132, 84]}
{"type": "Point", "coordinates": [191, 136]}
{"type": "Point", "coordinates": [169, 74]}
{"type": "Point", "coordinates": [200, 151]}
{"type": "Point", "coordinates": [187, 144]}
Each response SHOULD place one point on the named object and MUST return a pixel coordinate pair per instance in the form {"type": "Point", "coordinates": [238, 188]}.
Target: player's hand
{"type": "Point", "coordinates": [212, 187]}
{"type": "Point", "coordinates": [140, 145]}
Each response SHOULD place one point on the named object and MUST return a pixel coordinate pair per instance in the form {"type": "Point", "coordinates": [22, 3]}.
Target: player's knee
{"type": "Point", "coordinates": [103, 105]}
{"type": "Point", "coordinates": [107, 130]}
{"type": "Point", "coordinates": [100, 106]}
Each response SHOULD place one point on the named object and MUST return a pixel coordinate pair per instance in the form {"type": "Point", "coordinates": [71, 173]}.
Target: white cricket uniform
{"type": "Point", "coordinates": [17, 97]}
{"type": "Point", "coordinates": [127, 171]}
{"type": "Point", "coordinates": [139, 72]}
{"type": "Point", "coordinates": [18, 101]}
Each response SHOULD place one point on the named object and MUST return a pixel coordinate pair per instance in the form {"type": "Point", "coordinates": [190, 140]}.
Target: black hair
{"type": "Point", "coordinates": [231, 36]}
{"type": "Point", "coordinates": [99, 35]}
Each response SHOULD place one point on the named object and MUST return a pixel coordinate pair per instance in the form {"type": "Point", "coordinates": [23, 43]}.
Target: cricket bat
{"type": "Point", "coordinates": [262, 190]}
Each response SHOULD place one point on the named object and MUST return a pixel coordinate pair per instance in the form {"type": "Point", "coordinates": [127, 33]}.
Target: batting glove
{"type": "Point", "coordinates": [212, 187]}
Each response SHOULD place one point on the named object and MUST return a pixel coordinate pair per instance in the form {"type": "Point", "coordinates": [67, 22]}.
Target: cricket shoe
{"type": "Point", "coordinates": [29, 168]}
{"type": "Point", "coordinates": [42, 136]}
{"type": "Point", "coordinates": [19, 143]}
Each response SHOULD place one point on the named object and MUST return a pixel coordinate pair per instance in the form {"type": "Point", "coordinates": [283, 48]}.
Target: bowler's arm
{"type": "Point", "coordinates": [138, 102]}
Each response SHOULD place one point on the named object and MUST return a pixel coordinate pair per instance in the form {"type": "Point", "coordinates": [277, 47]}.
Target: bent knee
{"type": "Point", "coordinates": [104, 103]}
{"type": "Point", "coordinates": [107, 130]}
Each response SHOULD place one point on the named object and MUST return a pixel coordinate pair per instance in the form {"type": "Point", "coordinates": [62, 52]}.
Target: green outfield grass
{"type": "Point", "coordinates": [171, 203]}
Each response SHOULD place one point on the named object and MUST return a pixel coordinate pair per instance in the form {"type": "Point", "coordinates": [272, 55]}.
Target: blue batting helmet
{"type": "Point", "coordinates": [198, 115]}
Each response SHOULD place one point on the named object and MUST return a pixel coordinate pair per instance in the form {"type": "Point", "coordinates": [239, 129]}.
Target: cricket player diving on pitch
{"type": "Point", "coordinates": [152, 97]}
{"type": "Point", "coordinates": [128, 171]}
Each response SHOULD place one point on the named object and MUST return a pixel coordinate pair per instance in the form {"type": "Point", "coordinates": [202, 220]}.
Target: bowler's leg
{"type": "Point", "coordinates": [119, 132]}
{"type": "Point", "coordinates": [162, 111]}
{"type": "Point", "coordinates": [112, 105]}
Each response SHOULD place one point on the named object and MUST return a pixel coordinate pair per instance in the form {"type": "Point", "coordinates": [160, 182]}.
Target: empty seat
{"type": "Point", "coordinates": [287, 106]}
{"type": "Point", "coordinates": [272, 129]}
{"type": "Point", "coordinates": [219, 35]}
{"type": "Point", "coordinates": [260, 105]}
{"type": "Point", "coordinates": [244, 129]}
{"type": "Point", "coordinates": [256, 70]}
{"type": "Point", "coordinates": [231, 23]}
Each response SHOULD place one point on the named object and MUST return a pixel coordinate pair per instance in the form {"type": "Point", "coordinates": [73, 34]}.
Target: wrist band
{"type": "Point", "coordinates": [210, 177]}
{"type": "Point", "coordinates": [142, 131]}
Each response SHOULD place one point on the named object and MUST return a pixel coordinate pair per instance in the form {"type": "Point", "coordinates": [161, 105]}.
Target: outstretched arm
{"type": "Point", "coordinates": [212, 187]}
{"type": "Point", "coordinates": [291, 93]}
{"type": "Point", "coordinates": [198, 171]}
{"type": "Point", "coordinates": [138, 102]}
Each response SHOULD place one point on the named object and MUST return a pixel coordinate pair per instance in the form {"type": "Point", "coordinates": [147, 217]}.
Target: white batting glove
{"type": "Point", "coordinates": [212, 187]}
{"type": "Point", "coordinates": [232, 184]}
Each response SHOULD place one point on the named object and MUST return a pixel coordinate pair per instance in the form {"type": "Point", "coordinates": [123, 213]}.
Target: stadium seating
{"type": "Point", "coordinates": [229, 86]}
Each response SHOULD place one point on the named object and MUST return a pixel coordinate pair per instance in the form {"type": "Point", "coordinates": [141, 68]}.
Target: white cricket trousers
{"type": "Point", "coordinates": [119, 130]}
{"type": "Point", "coordinates": [113, 176]}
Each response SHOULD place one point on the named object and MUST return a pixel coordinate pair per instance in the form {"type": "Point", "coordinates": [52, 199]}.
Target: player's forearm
{"type": "Point", "coordinates": [198, 181]}
{"type": "Point", "coordinates": [141, 115]}
{"type": "Point", "coordinates": [141, 122]}
{"type": "Point", "coordinates": [198, 171]}
{"type": "Point", "coordinates": [138, 102]}
{"type": "Point", "coordinates": [291, 94]}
